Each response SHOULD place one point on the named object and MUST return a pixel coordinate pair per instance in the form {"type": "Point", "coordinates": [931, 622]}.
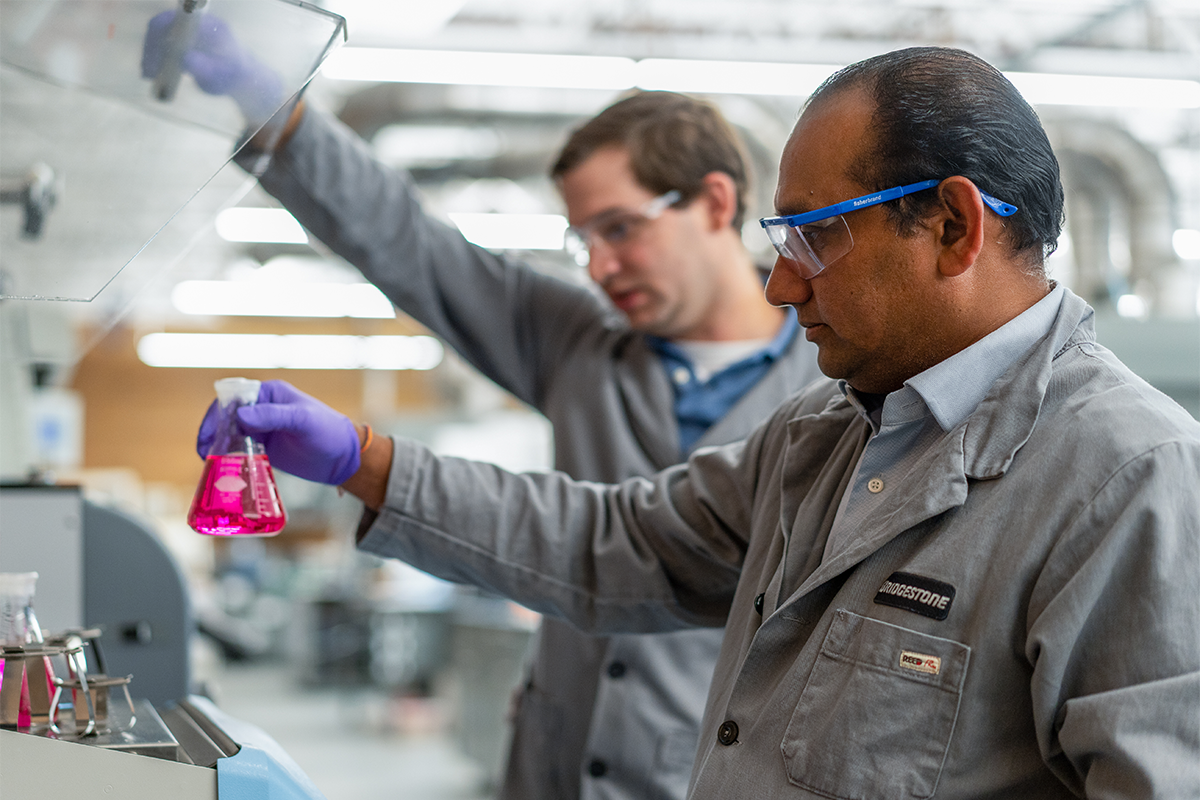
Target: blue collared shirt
{"type": "Point", "coordinates": [700, 404]}
{"type": "Point", "coordinates": [929, 405]}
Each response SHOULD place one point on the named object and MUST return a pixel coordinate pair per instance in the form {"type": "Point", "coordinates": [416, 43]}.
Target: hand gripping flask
{"type": "Point", "coordinates": [237, 493]}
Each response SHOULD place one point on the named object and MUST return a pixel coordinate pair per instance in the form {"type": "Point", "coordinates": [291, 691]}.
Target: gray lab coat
{"type": "Point", "coordinates": [1063, 513]}
{"type": "Point", "coordinates": [632, 703]}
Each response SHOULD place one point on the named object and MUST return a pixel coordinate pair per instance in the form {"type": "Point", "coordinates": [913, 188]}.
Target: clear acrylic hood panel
{"type": "Point", "coordinates": [96, 161]}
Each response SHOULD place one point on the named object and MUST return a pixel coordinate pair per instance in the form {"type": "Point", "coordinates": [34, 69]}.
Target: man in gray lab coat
{"type": "Point", "coordinates": [965, 568]}
{"type": "Point", "coordinates": [685, 352]}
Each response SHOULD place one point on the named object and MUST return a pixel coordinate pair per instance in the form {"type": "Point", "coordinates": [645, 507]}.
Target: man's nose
{"type": "Point", "coordinates": [602, 261]}
{"type": "Point", "coordinates": [785, 286]}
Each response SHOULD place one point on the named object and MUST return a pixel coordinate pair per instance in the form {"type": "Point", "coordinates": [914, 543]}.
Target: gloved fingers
{"type": "Point", "coordinates": [277, 391]}
{"type": "Point", "coordinates": [271, 417]}
{"type": "Point", "coordinates": [213, 57]}
{"type": "Point", "coordinates": [154, 42]}
{"type": "Point", "coordinates": [302, 435]}
{"type": "Point", "coordinates": [308, 439]}
{"type": "Point", "coordinates": [208, 431]}
{"type": "Point", "coordinates": [214, 74]}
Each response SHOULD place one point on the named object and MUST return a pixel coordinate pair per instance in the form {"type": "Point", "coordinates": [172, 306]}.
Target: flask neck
{"type": "Point", "coordinates": [231, 438]}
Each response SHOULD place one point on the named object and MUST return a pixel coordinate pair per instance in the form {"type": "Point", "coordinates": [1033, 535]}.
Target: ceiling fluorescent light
{"type": "Point", "coordinates": [513, 231]}
{"type": "Point", "coordinates": [408, 18]}
{"type": "Point", "coordinates": [256, 298]}
{"type": "Point", "coordinates": [416, 145]}
{"type": "Point", "coordinates": [731, 77]}
{"type": "Point", "coordinates": [274, 225]}
{"type": "Point", "coordinates": [716, 77]}
{"type": "Point", "coordinates": [269, 351]}
{"type": "Point", "coordinates": [1187, 244]}
{"type": "Point", "coordinates": [572, 72]}
{"type": "Point", "coordinates": [1044, 88]}
{"type": "Point", "coordinates": [1131, 306]}
{"type": "Point", "coordinates": [464, 67]}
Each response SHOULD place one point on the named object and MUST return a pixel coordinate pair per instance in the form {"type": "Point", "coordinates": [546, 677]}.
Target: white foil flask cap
{"type": "Point", "coordinates": [244, 390]}
{"type": "Point", "coordinates": [18, 583]}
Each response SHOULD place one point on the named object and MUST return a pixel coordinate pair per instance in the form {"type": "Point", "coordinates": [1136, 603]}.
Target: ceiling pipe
{"type": "Point", "coordinates": [1141, 204]}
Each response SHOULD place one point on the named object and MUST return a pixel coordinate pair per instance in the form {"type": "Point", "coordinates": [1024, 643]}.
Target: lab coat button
{"type": "Point", "coordinates": [616, 670]}
{"type": "Point", "coordinates": [681, 375]}
{"type": "Point", "coordinates": [597, 769]}
{"type": "Point", "coordinates": [728, 732]}
{"type": "Point", "coordinates": [758, 603]}
{"type": "Point", "coordinates": [875, 485]}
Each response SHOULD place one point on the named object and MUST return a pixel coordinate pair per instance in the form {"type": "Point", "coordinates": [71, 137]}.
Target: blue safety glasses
{"type": "Point", "coordinates": [815, 239]}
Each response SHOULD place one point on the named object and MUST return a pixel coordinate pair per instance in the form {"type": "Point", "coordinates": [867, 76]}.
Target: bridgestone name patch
{"type": "Point", "coordinates": [923, 596]}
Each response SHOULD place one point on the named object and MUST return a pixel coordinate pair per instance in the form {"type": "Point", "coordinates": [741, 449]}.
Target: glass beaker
{"type": "Point", "coordinates": [18, 627]}
{"type": "Point", "coordinates": [237, 493]}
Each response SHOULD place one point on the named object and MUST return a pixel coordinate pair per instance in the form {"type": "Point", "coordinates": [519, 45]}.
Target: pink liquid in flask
{"type": "Point", "coordinates": [237, 495]}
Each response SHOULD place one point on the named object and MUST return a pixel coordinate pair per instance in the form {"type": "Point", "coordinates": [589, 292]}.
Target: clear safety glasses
{"type": "Point", "coordinates": [815, 239]}
{"type": "Point", "coordinates": [618, 226]}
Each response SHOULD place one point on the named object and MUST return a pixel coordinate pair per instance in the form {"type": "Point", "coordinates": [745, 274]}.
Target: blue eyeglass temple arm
{"type": "Point", "coordinates": [999, 206]}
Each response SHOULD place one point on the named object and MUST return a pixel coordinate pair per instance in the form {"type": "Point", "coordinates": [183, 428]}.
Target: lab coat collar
{"type": "Point", "coordinates": [1006, 417]}
{"type": "Point", "coordinates": [980, 448]}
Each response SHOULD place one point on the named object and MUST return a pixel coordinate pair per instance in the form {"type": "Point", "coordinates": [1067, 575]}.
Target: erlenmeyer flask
{"type": "Point", "coordinates": [16, 595]}
{"type": "Point", "coordinates": [237, 493]}
{"type": "Point", "coordinates": [18, 630]}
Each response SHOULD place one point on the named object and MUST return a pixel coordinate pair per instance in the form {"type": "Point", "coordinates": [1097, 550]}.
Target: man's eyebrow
{"type": "Point", "coordinates": [604, 214]}
{"type": "Point", "coordinates": [793, 208]}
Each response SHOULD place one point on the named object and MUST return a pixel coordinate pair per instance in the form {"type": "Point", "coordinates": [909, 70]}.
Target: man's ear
{"type": "Point", "coordinates": [721, 195]}
{"type": "Point", "coordinates": [959, 225]}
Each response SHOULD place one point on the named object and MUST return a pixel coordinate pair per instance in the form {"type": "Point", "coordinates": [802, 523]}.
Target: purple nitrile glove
{"type": "Point", "coordinates": [302, 435]}
{"type": "Point", "coordinates": [218, 63]}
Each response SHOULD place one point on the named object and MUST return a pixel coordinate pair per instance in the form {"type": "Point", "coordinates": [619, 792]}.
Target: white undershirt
{"type": "Point", "coordinates": [709, 358]}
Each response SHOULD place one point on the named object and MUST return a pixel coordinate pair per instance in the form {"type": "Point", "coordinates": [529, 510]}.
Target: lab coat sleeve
{"type": "Point", "coordinates": [510, 321]}
{"type": "Point", "coordinates": [1114, 641]}
{"type": "Point", "coordinates": [645, 555]}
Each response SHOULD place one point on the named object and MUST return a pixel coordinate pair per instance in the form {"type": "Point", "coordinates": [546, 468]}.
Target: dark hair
{"type": "Point", "coordinates": [941, 112]}
{"type": "Point", "coordinates": [673, 141]}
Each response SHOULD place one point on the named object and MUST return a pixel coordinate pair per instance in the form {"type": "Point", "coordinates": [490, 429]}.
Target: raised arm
{"type": "Point", "coordinates": [509, 320]}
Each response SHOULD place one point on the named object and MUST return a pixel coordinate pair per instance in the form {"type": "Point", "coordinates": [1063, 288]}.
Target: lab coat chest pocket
{"type": "Point", "coordinates": [876, 716]}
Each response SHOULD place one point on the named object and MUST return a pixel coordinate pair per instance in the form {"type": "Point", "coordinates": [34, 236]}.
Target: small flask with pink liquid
{"type": "Point", "coordinates": [28, 682]}
{"type": "Point", "coordinates": [237, 494]}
